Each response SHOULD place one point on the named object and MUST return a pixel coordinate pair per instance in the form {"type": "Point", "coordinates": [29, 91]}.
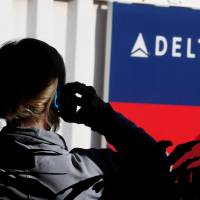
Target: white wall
{"type": "Point", "coordinates": [77, 28]}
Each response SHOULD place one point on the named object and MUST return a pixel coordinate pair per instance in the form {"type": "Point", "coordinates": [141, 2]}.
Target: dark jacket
{"type": "Point", "coordinates": [36, 164]}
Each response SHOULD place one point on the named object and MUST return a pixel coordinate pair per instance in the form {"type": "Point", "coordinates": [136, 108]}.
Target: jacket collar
{"type": "Point", "coordinates": [27, 135]}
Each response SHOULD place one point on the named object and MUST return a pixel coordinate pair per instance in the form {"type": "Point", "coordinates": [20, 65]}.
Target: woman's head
{"type": "Point", "coordinates": [30, 71]}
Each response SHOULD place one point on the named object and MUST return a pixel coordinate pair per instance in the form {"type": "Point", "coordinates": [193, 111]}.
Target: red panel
{"type": "Point", "coordinates": [164, 122]}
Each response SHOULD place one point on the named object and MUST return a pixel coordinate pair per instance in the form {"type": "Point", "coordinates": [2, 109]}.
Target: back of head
{"type": "Point", "coordinates": [29, 72]}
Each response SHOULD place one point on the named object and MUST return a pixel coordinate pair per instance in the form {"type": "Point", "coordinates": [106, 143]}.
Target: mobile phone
{"type": "Point", "coordinates": [55, 100]}
{"type": "Point", "coordinates": [65, 101]}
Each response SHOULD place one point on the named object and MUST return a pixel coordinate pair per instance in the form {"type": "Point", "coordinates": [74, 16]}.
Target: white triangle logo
{"type": "Point", "coordinates": [139, 48]}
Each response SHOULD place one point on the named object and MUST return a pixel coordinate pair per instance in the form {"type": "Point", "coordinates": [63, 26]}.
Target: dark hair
{"type": "Point", "coordinates": [27, 67]}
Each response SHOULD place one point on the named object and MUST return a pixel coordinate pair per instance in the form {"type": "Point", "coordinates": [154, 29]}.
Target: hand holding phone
{"type": "Point", "coordinates": [79, 103]}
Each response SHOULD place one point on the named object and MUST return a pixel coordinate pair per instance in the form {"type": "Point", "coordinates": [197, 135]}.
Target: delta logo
{"type": "Point", "coordinates": [162, 45]}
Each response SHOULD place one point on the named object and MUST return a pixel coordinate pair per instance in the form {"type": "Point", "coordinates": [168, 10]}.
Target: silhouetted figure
{"type": "Point", "coordinates": [34, 160]}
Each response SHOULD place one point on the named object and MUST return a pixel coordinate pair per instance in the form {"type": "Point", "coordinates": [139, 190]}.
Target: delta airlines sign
{"type": "Point", "coordinates": [161, 46]}
{"type": "Point", "coordinates": [154, 69]}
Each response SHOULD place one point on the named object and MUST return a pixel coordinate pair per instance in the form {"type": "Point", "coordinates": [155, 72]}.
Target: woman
{"type": "Point", "coordinates": [34, 160]}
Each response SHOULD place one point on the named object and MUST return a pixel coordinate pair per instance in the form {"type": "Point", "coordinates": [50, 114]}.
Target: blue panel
{"type": "Point", "coordinates": [170, 75]}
